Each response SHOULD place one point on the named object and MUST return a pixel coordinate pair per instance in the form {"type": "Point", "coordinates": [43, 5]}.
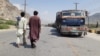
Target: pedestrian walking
{"type": "Point", "coordinates": [18, 19]}
{"type": "Point", "coordinates": [35, 28]}
{"type": "Point", "coordinates": [21, 29]}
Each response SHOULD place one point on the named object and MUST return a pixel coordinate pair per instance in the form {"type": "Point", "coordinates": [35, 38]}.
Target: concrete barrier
{"type": "Point", "coordinates": [97, 32]}
{"type": "Point", "coordinates": [92, 30]}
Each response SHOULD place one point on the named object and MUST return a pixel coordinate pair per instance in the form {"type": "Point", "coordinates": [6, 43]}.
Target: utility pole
{"type": "Point", "coordinates": [88, 18]}
{"type": "Point", "coordinates": [25, 6]}
{"type": "Point", "coordinates": [76, 5]}
{"type": "Point", "coordinates": [24, 39]}
{"type": "Point", "coordinates": [88, 22]}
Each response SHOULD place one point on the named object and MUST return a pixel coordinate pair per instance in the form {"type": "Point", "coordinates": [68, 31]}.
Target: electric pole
{"type": "Point", "coordinates": [76, 5]}
{"type": "Point", "coordinates": [88, 18]}
{"type": "Point", "coordinates": [88, 22]}
{"type": "Point", "coordinates": [25, 6]}
{"type": "Point", "coordinates": [24, 39]}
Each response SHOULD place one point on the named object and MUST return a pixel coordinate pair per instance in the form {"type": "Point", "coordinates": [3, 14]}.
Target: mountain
{"type": "Point", "coordinates": [93, 19]}
{"type": "Point", "coordinates": [8, 11]}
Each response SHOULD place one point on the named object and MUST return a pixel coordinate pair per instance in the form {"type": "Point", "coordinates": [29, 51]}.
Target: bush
{"type": "Point", "coordinates": [4, 26]}
{"type": "Point", "coordinates": [1, 22]}
{"type": "Point", "coordinates": [92, 25]}
{"type": "Point", "coordinates": [10, 22]}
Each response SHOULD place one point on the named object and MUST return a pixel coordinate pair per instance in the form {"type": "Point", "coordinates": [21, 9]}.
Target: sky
{"type": "Point", "coordinates": [47, 8]}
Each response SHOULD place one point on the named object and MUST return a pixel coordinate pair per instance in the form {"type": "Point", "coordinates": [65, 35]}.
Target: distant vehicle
{"type": "Point", "coordinates": [71, 22]}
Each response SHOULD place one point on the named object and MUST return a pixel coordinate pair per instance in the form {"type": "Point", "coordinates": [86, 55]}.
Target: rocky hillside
{"type": "Point", "coordinates": [94, 18]}
{"type": "Point", "coordinates": [8, 11]}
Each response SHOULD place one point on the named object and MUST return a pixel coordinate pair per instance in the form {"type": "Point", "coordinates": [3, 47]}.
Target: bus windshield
{"type": "Point", "coordinates": [73, 22]}
{"type": "Point", "coordinates": [72, 14]}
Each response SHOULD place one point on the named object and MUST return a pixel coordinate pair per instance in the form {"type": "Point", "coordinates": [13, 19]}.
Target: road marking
{"type": "Point", "coordinates": [74, 49]}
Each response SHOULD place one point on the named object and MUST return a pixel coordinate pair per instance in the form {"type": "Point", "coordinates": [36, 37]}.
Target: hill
{"type": "Point", "coordinates": [8, 11]}
{"type": "Point", "coordinates": [93, 19]}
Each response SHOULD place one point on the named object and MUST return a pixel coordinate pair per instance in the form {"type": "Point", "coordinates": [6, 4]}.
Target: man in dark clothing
{"type": "Point", "coordinates": [35, 28]}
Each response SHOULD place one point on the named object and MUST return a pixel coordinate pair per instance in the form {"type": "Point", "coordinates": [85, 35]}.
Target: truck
{"type": "Point", "coordinates": [71, 22]}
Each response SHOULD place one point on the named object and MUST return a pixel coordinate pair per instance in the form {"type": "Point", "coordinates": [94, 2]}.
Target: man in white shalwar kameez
{"type": "Point", "coordinates": [21, 29]}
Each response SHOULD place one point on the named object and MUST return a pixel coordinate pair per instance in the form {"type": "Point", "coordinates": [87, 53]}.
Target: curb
{"type": "Point", "coordinates": [94, 31]}
{"type": "Point", "coordinates": [97, 32]}
{"type": "Point", "coordinates": [5, 30]}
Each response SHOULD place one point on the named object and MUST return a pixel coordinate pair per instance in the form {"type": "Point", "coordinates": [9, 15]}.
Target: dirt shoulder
{"type": "Point", "coordinates": [93, 36]}
{"type": "Point", "coordinates": [10, 29]}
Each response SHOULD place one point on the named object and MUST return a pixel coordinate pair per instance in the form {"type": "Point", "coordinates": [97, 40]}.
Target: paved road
{"type": "Point", "coordinates": [50, 44]}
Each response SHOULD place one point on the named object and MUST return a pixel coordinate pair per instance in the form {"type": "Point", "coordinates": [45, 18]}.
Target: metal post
{"type": "Point", "coordinates": [88, 21]}
{"type": "Point", "coordinates": [24, 39]}
{"type": "Point", "coordinates": [76, 5]}
{"type": "Point", "coordinates": [25, 6]}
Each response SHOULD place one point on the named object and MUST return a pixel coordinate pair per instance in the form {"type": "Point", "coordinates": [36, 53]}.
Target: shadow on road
{"type": "Point", "coordinates": [14, 44]}
{"type": "Point", "coordinates": [25, 46]}
{"type": "Point", "coordinates": [56, 33]}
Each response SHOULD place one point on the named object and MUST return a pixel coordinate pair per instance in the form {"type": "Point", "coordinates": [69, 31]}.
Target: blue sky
{"type": "Point", "coordinates": [48, 8]}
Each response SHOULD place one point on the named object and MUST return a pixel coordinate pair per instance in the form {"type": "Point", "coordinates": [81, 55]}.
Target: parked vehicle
{"type": "Point", "coordinates": [71, 22]}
